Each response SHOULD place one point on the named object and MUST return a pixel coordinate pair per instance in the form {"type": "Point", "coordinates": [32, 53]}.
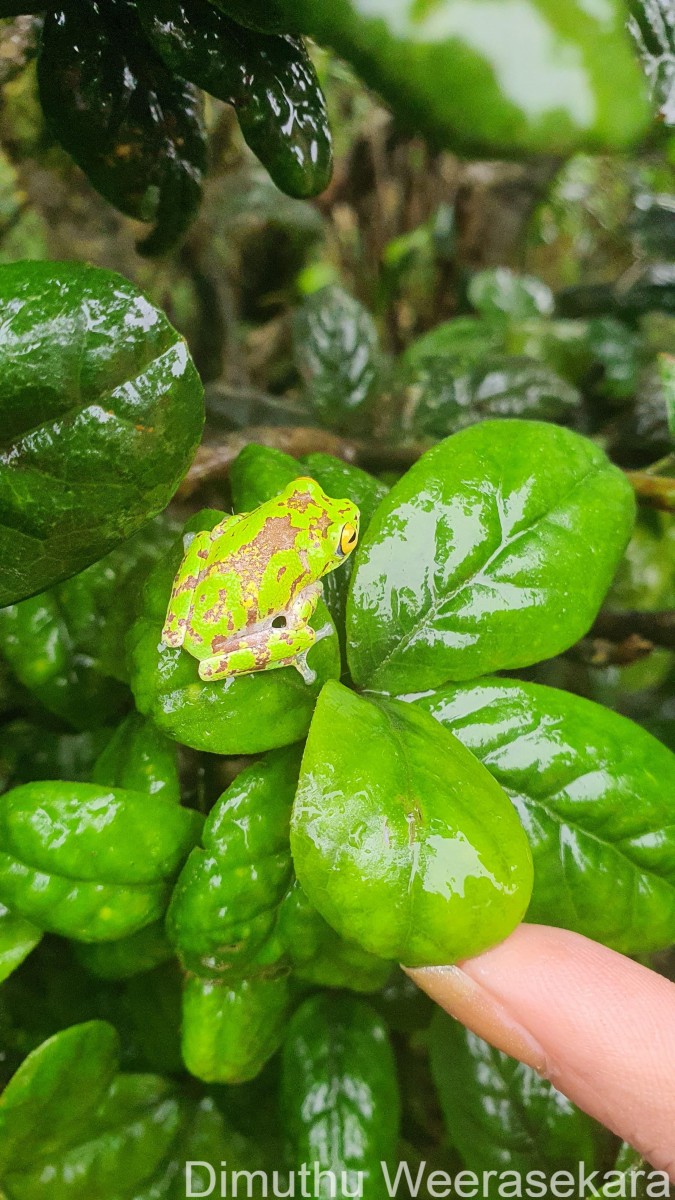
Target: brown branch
{"type": "Point", "coordinates": [655, 627]}
{"type": "Point", "coordinates": [600, 652]}
{"type": "Point", "coordinates": [656, 491]}
{"type": "Point", "coordinates": [212, 462]}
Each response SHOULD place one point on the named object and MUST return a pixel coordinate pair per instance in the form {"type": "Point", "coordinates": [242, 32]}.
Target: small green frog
{"type": "Point", "coordinates": [246, 590]}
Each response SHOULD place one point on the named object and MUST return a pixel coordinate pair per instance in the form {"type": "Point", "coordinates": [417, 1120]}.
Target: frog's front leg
{"type": "Point", "coordinates": [271, 644]}
{"type": "Point", "coordinates": [196, 555]}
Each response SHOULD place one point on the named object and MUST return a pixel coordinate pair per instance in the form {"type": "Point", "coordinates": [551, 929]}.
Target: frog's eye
{"type": "Point", "coordinates": [348, 539]}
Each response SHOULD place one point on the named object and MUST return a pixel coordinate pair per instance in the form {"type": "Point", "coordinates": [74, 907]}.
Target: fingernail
{"type": "Point", "coordinates": [480, 1012]}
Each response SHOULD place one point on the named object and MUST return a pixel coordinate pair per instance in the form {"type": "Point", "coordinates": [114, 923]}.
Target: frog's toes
{"type": "Point", "coordinates": [300, 663]}
{"type": "Point", "coordinates": [324, 632]}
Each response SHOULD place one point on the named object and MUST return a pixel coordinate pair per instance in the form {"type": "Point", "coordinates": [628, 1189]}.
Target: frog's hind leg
{"type": "Point", "coordinates": [178, 612]}
{"type": "Point", "coordinates": [264, 650]}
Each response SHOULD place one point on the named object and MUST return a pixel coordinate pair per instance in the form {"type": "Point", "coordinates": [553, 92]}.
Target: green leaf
{"type": "Point", "coordinates": [269, 79]}
{"type": "Point", "coordinates": [223, 911]}
{"type": "Point", "coordinates": [246, 715]}
{"type": "Point", "coordinates": [467, 339]}
{"type": "Point", "coordinates": [29, 752]}
{"type": "Point", "coordinates": [443, 396]}
{"type": "Point", "coordinates": [129, 956]}
{"type": "Point", "coordinates": [339, 1094]}
{"type": "Point", "coordinates": [121, 1145]}
{"type": "Point", "coordinates": [500, 293]}
{"type": "Point", "coordinates": [90, 863]}
{"type": "Point", "coordinates": [545, 78]}
{"type": "Point", "coordinates": [134, 128]}
{"type": "Point", "coordinates": [593, 792]}
{"type": "Point", "coordinates": [336, 348]}
{"type": "Point", "coordinates": [230, 1030]}
{"type": "Point", "coordinates": [400, 839]}
{"type": "Point", "coordinates": [17, 938]}
{"type": "Point", "coordinates": [140, 758]}
{"type": "Point", "coordinates": [652, 25]}
{"type": "Point", "coordinates": [650, 287]}
{"type": "Point", "coordinates": [53, 1093]}
{"type": "Point", "coordinates": [258, 474]}
{"type": "Point", "coordinates": [99, 421]}
{"type": "Point", "coordinates": [486, 555]}
{"type": "Point", "coordinates": [667, 373]}
{"type": "Point", "coordinates": [502, 1115]}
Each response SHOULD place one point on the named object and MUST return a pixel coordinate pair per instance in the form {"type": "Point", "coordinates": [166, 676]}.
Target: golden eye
{"type": "Point", "coordinates": [348, 539]}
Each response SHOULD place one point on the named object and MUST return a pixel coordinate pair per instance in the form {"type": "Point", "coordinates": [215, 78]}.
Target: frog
{"type": "Point", "coordinates": [246, 590]}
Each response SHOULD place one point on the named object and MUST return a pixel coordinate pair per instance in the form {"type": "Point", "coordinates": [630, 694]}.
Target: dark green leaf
{"type": "Point", "coordinates": [54, 1091]}
{"type": "Point", "coordinates": [101, 411]}
{"type": "Point", "coordinates": [17, 938]}
{"type": "Point", "coordinates": [127, 957]}
{"type": "Point", "coordinates": [652, 24]}
{"type": "Point", "coordinates": [269, 79]}
{"type": "Point", "coordinates": [337, 353]}
{"type": "Point", "coordinates": [593, 792]}
{"type": "Point", "coordinates": [120, 1146]}
{"type": "Point", "coordinates": [29, 752]}
{"type": "Point", "coordinates": [90, 863]}
{"type": "Point", "coordinates": [501, 293]}
{"type": "Point", "coordinates": [442, 396]}
{"type": "Point", "coordinates": [339, 1093]}
{"type": "Point", "coordinates": [134, 128]}
{"type": "Point", "coordinates": [140, 758]}
{"type": "Point", "coordinates": [650, 287]}
{"type": "Point", "coordinates": [231, 1030]}
{"type": "Point", "coordinates": [401, 840]}
{"type": "Point", "coordinates": [493, 551]}
{"type": "Point", "coordinates": [500, 1114]}
{"type": "Point", "coordinates": [243, 716]}
{"type": "Point", "coordinates": [258, 474]}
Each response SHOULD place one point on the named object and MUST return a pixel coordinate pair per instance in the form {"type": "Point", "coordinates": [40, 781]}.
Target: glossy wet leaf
{"type": "Point", "coordinates": [223, 911]}
{"type": "Point", "coordinates": [486, 555]}
{"type": "Point", "coordinates": [230, 1030]}
{"type": "Point", "coordinates": [53, 1092]}
{"type": "Point", "coordinates": [400, 839]}
{"type": "Point", "coordinates": [17, 938]}
{"type": "Point", "coordinates": [652, 25]}
{"type": "Point", "coordinates": [443, 396]}
{"type": "Point", "coordinates": [336, 349]}
{"type": "Point", "coordinates": [243, 716]}
{"type": "Point", "coordinates": [133, 127]}
{"type": "Point", "coordinates": [501, 1114]}
{"type": "Point", "coordinates": [593, 791]}
{"type": "Point", "coordinates": [120, 1146]}
{"type": "Point", "coordinates": [140, 758]}
{"type": "Point", "coordinates": [90, 862]}
{"type": "Point", "coordinates": [269, 79]}
{"type": "Point", "coordinates": [339, 1093]}
{"type": "Point", "coordinates": [99, 421]}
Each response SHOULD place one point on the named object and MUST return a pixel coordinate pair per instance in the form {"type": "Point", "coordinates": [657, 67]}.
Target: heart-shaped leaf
{"type": "Point", "coordinates": [594, 793]}
{"type": "Point", "coordinates": [493, 551]}
{"type": "Point", "coordinates": [100, 411]}
{"type": "Point", "coordinates": [402, 840]}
